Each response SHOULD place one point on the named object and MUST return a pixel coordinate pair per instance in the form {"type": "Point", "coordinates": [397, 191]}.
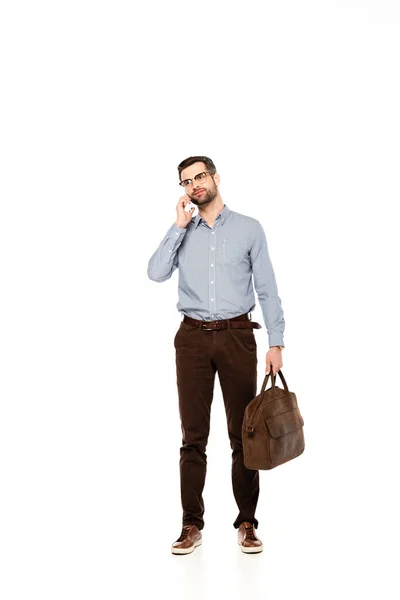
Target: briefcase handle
{"type": "Point", "coordinates": [250, 426]}
{"type": "Point", "coordinates": [273, 377]}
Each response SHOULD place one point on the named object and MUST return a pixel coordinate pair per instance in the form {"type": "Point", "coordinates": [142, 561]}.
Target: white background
{"type": "Point", "coordinates": [298, 106]}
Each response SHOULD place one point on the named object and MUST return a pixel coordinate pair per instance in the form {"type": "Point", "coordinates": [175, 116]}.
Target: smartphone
{"type": "Point", "coordinates": [189, 205]}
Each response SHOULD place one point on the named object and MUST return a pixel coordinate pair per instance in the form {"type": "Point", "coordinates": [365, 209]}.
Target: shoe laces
{"type": "Point", "coordinates": [184, 534]}
{"type": "Point", "coordinates": [250, 532]}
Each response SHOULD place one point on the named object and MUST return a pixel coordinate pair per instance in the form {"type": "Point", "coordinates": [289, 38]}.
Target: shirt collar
{"type": "Point", "coordinates": [222, 216]}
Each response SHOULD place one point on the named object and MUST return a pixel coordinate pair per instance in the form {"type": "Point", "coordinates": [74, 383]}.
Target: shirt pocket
{"type": "Point", "coordinates": [234, 252]}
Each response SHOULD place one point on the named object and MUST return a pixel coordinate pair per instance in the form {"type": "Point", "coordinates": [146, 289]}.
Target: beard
{"type": "Point", "coordinates": [206, 197]}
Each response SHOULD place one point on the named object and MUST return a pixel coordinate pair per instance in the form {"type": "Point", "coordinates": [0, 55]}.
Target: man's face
{"type": "Point", "coordinates": [201, 193]}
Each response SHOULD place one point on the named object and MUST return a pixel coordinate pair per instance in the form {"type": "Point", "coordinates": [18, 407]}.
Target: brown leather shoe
{"type": "Point", "coordinates": [188, 540]}
{"type": "Point", "coordinates": [247, 538]}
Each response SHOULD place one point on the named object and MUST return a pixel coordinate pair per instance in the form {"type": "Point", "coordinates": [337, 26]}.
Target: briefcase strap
{"type": "Point", "coordinates": [273, 377]}
{"type": "Point", "coordinates": [250, 427]}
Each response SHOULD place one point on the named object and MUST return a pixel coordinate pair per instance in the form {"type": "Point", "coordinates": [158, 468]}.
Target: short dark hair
{"type": "Point", "coordinates": [194, 159]}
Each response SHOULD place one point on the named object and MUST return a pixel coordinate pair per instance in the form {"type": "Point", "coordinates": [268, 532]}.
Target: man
{"type": "Point", "coordinates": [217, 253]}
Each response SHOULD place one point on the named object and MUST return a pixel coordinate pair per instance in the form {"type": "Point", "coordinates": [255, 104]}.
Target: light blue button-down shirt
{"type": "Point", "coordinates": [216, 267]}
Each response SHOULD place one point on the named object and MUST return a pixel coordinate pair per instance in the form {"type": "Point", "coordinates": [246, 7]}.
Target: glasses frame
{"type": "Point", "coordinates": [182, 183]}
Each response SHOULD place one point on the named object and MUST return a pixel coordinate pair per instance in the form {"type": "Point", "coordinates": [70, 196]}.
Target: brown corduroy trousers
{"type": "Point", "coordinates": [200, 353]}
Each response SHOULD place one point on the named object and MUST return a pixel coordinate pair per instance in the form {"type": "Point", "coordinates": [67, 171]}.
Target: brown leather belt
{"type": "Point", "coordinates": [239, 322]}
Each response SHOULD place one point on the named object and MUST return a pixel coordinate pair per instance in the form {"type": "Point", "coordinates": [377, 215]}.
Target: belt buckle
{"type": "Point", "coordinates": [218, 326]}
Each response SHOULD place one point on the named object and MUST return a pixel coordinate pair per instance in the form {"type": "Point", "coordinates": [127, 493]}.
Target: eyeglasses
{"type": "Point", "coordinates": [200, 178]}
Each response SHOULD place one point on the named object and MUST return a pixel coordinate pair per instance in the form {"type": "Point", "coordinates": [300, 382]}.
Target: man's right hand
{"type": "Point", "coordinates": [184, 216]}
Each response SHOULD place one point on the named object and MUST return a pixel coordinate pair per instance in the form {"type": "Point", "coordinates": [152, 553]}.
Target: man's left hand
{"type": "Point", "coordinates": [273, 359]}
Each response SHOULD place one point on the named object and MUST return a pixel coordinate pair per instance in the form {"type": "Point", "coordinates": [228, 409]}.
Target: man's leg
{"type": "Point", "coordinates": [237, 371]}
{"type": "Point", "coordinates": [195, 380]}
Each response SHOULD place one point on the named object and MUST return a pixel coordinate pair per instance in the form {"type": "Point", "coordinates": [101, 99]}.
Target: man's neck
{"type": "Point", "coordinates": [212, 210]}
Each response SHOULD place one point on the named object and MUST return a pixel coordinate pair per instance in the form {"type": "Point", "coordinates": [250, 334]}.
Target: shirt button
{"type": "Point", "coordinates": [212, 247]}
{"type": "Point", "coordinates": [213, 234]}
{"type": "Point", "coordinates": [212, 299]}
{"type": "Point", "coordinates": [169, 250]}
{"type": "Point", "coordinates": [212, 264]}
{"type": "Point", "coordinates": [212, 282]}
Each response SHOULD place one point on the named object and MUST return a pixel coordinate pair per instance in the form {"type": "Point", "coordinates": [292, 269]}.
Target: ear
{"type": "Point", "coordinates": [216, 179]}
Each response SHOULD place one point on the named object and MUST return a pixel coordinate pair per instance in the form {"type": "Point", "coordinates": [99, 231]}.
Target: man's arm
{"type": "Point", "coordinates": [165, 260]}
{"type": "Point", "coordinates": [266, 288]}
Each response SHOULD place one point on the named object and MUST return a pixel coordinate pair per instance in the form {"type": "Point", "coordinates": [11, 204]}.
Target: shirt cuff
{"type": "Point", "coordinates": [175, 230]}
{"type": "Point", "coordinates": [275, 339]}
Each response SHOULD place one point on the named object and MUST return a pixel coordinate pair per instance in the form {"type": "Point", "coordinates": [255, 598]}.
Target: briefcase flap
{"type": "Point", "coordinates": [284, 423]}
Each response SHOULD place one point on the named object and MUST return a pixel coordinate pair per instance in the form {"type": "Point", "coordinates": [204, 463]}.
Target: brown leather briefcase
{"type": "Point", "coordinates": [272, 428]}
